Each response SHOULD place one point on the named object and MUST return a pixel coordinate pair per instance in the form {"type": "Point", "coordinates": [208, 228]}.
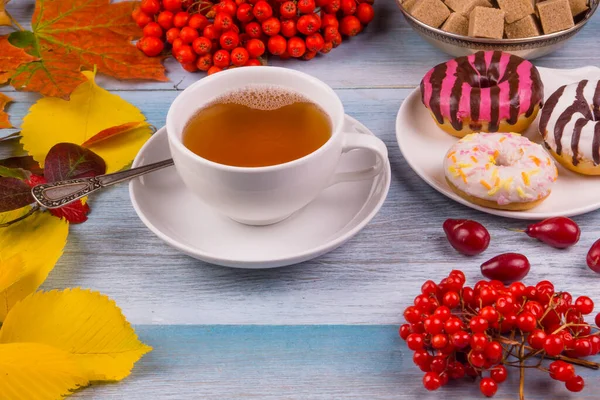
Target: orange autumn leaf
{"type": "Point", "coordinates": [114, 131]}
{"type": "Point", "coordinates": [11, 58]}
{"type": "Point", "coordinates": [71, 35]}
{"type": "Point", "coordinates": [4, 123]}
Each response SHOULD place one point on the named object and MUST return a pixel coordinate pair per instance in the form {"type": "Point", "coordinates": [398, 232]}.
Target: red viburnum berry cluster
{"type": "Point", "coordinates": [457, 331]}
{"type": "Point", "coordinates": [215, 35]}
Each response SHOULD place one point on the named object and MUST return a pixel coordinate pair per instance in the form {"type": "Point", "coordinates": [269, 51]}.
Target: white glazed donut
{"type": "Point", "coordinates": [570, 126]}
{"type": "Point", "coordinates": [505, 171]}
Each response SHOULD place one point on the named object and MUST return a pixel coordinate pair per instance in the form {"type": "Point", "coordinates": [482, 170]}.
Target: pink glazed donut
{"type": "Point", "coordinates": [487, 91]}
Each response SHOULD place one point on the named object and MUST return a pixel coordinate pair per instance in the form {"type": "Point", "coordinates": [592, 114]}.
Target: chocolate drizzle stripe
{"type": "Point", "coordinates": [455, 103]}
{"type": "Point", "coordinates": [596, 144]}
{"type": "Point", "coordinates": [579, 105]}
{"type": "Point", "coordinates": [549, 108]}
{"type": "Point", "coordinates": [513, 89]}
{"type": "Point", "coordinates": [537, 91]}
{"type": "Point", "coordinates": [437, 79]}
{"type": "Point", "coordinates": [493, 71]}
{"type": "Point", "coordinates": [579, 125]}
{"type": "Point", "coordinates": [596, 103]}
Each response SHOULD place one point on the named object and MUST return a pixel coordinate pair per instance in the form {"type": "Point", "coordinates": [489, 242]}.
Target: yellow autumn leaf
{"type": "Point", "coordinates": [38, 242]}
{"type": "Point", "coordinates": [11, 271]}
{"type": "Point", "coordinates": [34, 371]}
{"type": "Point", "coordinates": [86, 324]}
{"type": "Point", "coordinates": [89, 111]}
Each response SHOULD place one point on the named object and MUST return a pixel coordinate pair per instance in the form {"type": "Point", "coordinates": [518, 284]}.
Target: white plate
{"type": "Point", "coordinates": [424, 145]}
{"type": "Point", "coordinates": [166, 207]}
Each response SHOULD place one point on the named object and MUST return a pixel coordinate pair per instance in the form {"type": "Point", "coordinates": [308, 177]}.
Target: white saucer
{"type": "Point", "coordinates": [424, 145]}
{"type": "Point", "coordinates": [166, 207]}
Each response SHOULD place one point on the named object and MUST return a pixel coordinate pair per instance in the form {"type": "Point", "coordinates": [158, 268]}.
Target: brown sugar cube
{"type": "Point", "coordinates": [578, 6]}
{"type": "Point", "coordinates": [555, 15]}
{"type": "Point", "coordinates": [431, 12]}
{"type": "Point", "coordinates": [466, 6]}
{"type": "Point", "coordinates": [523, 28]}
{"type": "Point", "coordinates": [487, 23]}
{"type": "Point", "coordinates": [456, 23]}
{"type": "Point", "coordinates": [516, 9]}
{"type": "Point", "coordinates": [408, 4]}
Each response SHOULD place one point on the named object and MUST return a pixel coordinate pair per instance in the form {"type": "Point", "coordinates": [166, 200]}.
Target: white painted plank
{"type": "Point", "coordinates": [387, 54]}
{"type": "Point", "coordinates": [366, 281]}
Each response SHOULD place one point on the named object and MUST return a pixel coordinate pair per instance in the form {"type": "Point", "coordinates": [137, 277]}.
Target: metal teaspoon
{"type": "Point", "coordinates": [58, 194]}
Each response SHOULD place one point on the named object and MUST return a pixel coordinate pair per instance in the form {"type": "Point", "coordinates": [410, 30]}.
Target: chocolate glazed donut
{"type": "Point", "coordinates": [485, 89]}
{"type": "Point", "coordinates": [570, 126]}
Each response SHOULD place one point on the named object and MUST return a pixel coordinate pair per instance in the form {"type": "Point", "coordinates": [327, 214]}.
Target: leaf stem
{"type": "Point", "coordinates": [22, 217]}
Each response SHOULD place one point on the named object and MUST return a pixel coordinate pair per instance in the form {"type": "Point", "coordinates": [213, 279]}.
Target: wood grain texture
{"type": "Point", "coordinates": [299, 362]}
{"type": "Point", "coordinates": [388, 54]}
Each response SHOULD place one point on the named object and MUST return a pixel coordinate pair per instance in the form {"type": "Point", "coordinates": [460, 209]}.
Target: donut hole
{"type": "Point", "coordinates": [508, 159]}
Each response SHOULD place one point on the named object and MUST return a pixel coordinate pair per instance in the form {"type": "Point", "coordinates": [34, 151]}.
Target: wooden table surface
{"type": "Point", "coordinates": [327, 328]}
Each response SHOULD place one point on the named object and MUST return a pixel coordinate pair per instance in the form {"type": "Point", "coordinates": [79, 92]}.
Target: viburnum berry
{"type": "Point", "coordinates": [239, 56]}
{"type": "Point", "coordinates": [535, 308]}
{"type": "Point", "coordinates": [296, 47]}
{"type": "Point", "coordinates": [478, 324]}
{"type": "Point", "coordinates": [223, 22]}
{"type": "Point", "coordinates": [479, 341]}
{"type": "Point", "coordinates": [460, 339]}
{"type": "Point", "coordinates": [165, 20]}
{"type": "Point", "coordinates": [493, 352]}
{"type": "Point", "coordinates": [185, 54]}
{"type": "Point", "coordinates": [172, 34]}
{"type": "Point", "coordinates": [561, 371]}
{"type": "Point", "coordinates": [488, 387]}
{"type": "Point", "coordinates": [288, 9]}
{"type": "Point", "coordinates": [150, 7]}
{"type": "Point", "coordinates": [221, 58]}
{"type": "Point", "coordinates": [213, 70]}
{"type": "Point", "coordinates": [181, 19]}
{"type": "Point", "coordinates": [526, 321]}
{"type": "Point", "coordinates": [229, 40]}
{"type": "Point", "coordinates": [499, 372]}
{"type": "Point", "coordinates": [582, 347]}
{"type": "Point", "coordinates": [262, 10]}
{"type": "Point", "coordinates": [271, 26]}
{"type": "Point", "coordinates": [204, 62]}
{"type": "Point", "coordinates": [365, 13]}
{"type": "Point", "coordinates": [151, 46]}
{"type": "Point", "coordinates": [404, 331]}
{"type": "Point", "coordinates": [188, 35]}
{"type": "Point", "coordinates": [536, 339]}
{"type": "Point", "coordinates": [211, 32]}
{"type": "Point", "coordinates": [443, 313]}
{"type": "Point", "coordinates": [584, 305]}
{"type": "Point", "coordinates": [244, 12]}
{"type": "Point", "coordinates": [489, 313]}
{"type": "Point", "coordinates": [433, 325]}
{"type": "Point", "coordinates": [254, 30]}
{"type": "Point", "coordinates": [575, 384]}
{"type": "Point", "coordinates": [553, 345]}
{"type": "Point", "coordinates": [439, 341]}
{"type": "Point", "coordinates": [227, 7]}
{"type": "Point", "coordinates": [202, 46]}
{"type": "Point", "coordinates": [451, 299]}
{"type": "Point", "coordinates": [477, 359]}
{"type": "Point", "coordinates": [152, 29]}
{"type": "Point", "coordinates": [348, 7]}
{"type": "Point", "coordinates": [256, 48]}
{"type": "Point", "coordinates": [253, 62]}
{"type": "Point", "coordinates": [308, 24]}
{"type": "Point", "coordinates": [198, 21]}
{"type": "Point", "coordinates": [453, 325]}
{"type": "Point", "coordinates": [415, 341]}
{"type": "Point", "coordinates": [332, 7]}
{"type": "Point", "coordinates": [172, 5]}
{"type": "Point", "coordinates": [432, 381]}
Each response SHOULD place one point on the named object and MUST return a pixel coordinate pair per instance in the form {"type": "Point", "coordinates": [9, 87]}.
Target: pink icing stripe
{"type": "Point", "coordinates": [487, 56]}
{"type": "Point", "coordinates": [464, 107]}
{"type": "Point", "coordinates": [504, 103]}
{"type": "Point", "coordinates": [428, 87]}
{"type": "Point", "coordinates": [524, 73]}
{"type": "Point", "coordinates": [504, 60]}
{"type": "Point", "coordinates": [485, 108]}
{"type": "Point", "coordinates": [447, 84]}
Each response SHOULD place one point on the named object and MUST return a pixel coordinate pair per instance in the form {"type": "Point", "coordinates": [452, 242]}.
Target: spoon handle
{"type": "Point", "coordinates": [58, 194]}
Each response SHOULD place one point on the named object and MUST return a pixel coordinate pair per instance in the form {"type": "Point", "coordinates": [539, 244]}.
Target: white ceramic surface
{"type": "Point", "coordinates": [424, 145]}
{"type": "Point", "coordinates": [266, 195]}
{"type": "Point", "coordinates": [168, 209]}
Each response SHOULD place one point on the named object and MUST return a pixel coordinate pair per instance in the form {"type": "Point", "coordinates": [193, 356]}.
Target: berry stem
{"type": "Point", "coordinates": [522, 372]}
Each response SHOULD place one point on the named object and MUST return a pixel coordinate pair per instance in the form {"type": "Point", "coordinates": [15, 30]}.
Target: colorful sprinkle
{"type": "Point", "coordinates": [485, 184]}
{"type": "Point", "coordinates": [525, 178]}
{"type": "Point", "coordinates": [474, 159]}
{"type": "Point", "coordinates": [535, 160]}
{"type": "Point", "coordinates": [502, 139]}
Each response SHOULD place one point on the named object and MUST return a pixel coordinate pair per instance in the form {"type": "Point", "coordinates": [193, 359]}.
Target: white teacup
{"type": "Point", "coordinates": [265, 195]}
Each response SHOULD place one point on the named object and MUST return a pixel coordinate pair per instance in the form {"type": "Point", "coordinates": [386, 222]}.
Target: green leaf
{"type": "Point", "coordinates": [18, 173]}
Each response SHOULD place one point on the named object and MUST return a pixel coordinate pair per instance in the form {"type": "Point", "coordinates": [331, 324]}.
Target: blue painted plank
{"type": "Point", "coordinates": [297, 362]}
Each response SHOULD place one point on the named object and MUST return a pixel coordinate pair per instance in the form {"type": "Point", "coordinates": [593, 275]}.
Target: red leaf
{"type": "Point", "coordinates": [113, 131]}
{"type": "Point", "coordinates": [75, 212]}
{"type": "Point", "coordinates": [14, 194]}
{"type": "Point", "coordinates": [70, 161]}
{"type": "Point", "coordinates": [26, 162]}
